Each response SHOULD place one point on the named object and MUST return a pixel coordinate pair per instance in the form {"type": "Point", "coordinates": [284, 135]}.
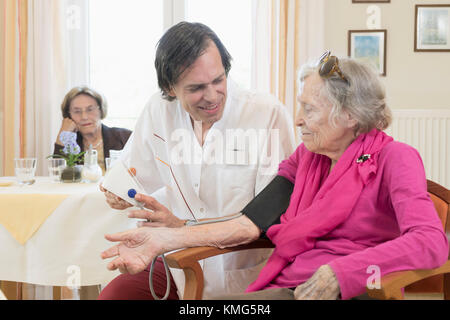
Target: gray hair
{"type": "Point", "coordinates": [363, 95]}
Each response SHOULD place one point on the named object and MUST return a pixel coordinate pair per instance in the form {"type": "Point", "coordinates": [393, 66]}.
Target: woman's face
{"type": "Point", "coordinates": [318, 134]}
{"type": "Point", "coordinates": [85, 112]}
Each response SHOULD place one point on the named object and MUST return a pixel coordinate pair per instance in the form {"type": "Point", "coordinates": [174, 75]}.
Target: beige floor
{"type": "Point", "coordinates": [31, 292]}
{"type": "Point", "coordinates": [429, 296]}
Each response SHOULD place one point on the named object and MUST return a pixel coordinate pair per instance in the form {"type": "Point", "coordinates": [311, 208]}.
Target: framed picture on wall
{"type": "Point", "coordinates": [371, 1]}
{"type": "Point", "coordinates": [432, 28]}
{"type": "Point", "coordinates": [370, 46]}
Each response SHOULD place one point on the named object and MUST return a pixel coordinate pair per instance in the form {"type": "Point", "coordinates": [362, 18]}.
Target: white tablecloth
{"type": "Point", "coordinates": [65, 251]}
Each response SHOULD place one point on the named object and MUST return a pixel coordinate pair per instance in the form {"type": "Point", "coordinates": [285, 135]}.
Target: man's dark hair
{"type": "Point", "coordinates": [179, 48]}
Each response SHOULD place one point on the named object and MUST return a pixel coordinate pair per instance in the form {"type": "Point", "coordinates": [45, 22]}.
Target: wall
{"type": "Point", "coordinates": [2, 87]}
{"type": "Point", "coordinates": [414, 80]}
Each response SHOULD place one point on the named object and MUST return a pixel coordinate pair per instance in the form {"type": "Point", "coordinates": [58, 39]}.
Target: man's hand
{"type": "Point", "coordinates": [159, 216]}
{"type": "Point", "coordinates": [323, 285]}
{"type": "Point", "coordinates": [137, 248]}
{"type": "Point", "coordinates": [114, 201]}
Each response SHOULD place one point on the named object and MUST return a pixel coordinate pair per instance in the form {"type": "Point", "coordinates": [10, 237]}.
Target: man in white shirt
{"type": "Point", "coordinates": [202, 149]}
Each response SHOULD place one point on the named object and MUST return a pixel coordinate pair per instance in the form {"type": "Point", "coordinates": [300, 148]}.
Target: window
{"type": "Point", "coordinates": [123, 38]}
{"type": "Point", "coordinates": [231, 20]}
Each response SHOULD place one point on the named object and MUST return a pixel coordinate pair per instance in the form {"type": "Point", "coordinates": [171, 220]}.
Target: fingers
{"type": "Point", "coordinates": [111, 252]}
{"type": "Point", "coordinates": [305, 292]}
{"type": "Point", "coordinates": [113, 197]}
{"type": "Point", "coordinates": [153, 218]}
{"type": "Point", "coordinates": [140, 214]}
{"type": "Point", "coordinates": [110, 195]}
{"type": "Point", "coordinates": [322, 285]}
{"type": "Point", "coordinates": [120, 236]}
{"type": "Point", "coordinates": [114, 201]}
{"type": "Point", "coordinates": [111, 266]}
{"type": "Point", "coordinates": [141, 224]}
{"type": "Point", "coordinates": [150, 202]}
{"type": "Point", "coordinates": [117, 263]}
{"type": "Point", "coordinates": [118, 205]}
{"type": "Point", "coordinates": [126, 266]}
{"type": "Point", "coordinates": [121, 202]}
{"type": "Point", "coordinates": [69, 125]}
{"type": "Point", "coordinates": [123, 267]}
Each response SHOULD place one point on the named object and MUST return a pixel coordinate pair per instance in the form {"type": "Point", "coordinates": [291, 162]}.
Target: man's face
{"type": "Point", "coordinates": [202, 88]}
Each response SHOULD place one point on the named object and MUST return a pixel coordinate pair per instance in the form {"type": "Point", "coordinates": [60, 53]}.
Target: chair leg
{"type": "Point", "coordinates": [447, 286]}
{"type": "Point", "coordinates": [56, 293]}
{"type": "Point", "coordinates": [19, 294]}
{"type": "Point", "coordinates": [194, 282]}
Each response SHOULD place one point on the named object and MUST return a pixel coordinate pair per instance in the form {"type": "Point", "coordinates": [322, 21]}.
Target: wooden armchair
{"type": "Point", "coordinates": [434, 280]}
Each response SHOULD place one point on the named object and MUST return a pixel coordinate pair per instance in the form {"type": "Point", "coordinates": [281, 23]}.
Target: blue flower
{"type": "Point", "coordinates": [68, 137]}
{"type": "Point", "coordinates": [72, 151]}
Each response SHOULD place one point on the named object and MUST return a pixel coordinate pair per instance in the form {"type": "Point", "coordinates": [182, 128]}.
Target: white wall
{"type": "Point", "coordinates": [2, 23]}
{"type": "Point", "coordinates": [415, 80]}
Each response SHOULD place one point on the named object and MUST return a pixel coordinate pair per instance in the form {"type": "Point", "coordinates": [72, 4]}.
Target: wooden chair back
{"type": "Point", "coordinates": [441, 199]}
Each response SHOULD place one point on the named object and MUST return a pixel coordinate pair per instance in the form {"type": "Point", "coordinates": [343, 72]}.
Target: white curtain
{"type": "Point", "coordinates": [57, 61]}
{"type": "Point", "coordinates": [302, 23]}
{"type": "Point", "coordinates": [261, 54]}
{"type": "Point", "coordinates": [312, 30]}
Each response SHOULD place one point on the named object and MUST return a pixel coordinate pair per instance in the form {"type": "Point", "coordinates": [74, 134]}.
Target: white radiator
{"type": "Point", "coordinates": [429, 132]}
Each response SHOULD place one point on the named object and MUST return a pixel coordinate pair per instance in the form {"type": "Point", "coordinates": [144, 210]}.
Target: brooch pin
{"type": "Point", "coordinates": [363, 158]}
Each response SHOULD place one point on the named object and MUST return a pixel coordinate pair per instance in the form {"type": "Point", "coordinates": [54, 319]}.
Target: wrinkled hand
{"type": "Point", "coordinates": [137, 248]}
{"type": "Point", "coordinates": [69, 125]}
{"type": "Point", "coordinates": [159, 216]}
{"type": "Point", "coordinates": [114, 201]}
{"type": "Point", "coordinates": [323, 285]}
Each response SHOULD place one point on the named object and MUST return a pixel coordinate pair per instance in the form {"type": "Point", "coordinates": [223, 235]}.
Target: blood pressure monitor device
{"type": "Point", "coordinates": [122, 182]}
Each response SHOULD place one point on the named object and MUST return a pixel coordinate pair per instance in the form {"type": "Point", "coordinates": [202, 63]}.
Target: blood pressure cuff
{"type": "Point", "coordinates": [266, 209]}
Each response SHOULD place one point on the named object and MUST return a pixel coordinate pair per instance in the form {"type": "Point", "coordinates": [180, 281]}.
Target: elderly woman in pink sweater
{"type": "Point", "coordinates": [350, 200]}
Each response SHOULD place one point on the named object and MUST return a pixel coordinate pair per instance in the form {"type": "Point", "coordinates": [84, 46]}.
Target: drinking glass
{"type": "Point", "coordinates": [55, 168]}
{"type": "Point", "coordinates": [25, 169]}
{"type": "Point", "coordinates": [107, 163]}
{"type": "Point", "coordinates": [114, 155]}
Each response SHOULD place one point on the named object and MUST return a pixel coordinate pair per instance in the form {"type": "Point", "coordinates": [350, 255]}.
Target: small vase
{"type": "Point", "coordinates": [71, 174]}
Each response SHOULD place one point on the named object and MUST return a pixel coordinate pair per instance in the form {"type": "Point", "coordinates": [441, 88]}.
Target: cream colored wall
{"type": "Point", "coordinates": [415, 80]}
{"type": "Point", "coordinates": [2, 23]}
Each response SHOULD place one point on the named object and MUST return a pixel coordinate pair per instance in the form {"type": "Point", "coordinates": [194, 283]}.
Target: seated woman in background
{"type": "Point", "coordinates": [349, 199]}
{"type": "Point", "coordinates": [83, 110]}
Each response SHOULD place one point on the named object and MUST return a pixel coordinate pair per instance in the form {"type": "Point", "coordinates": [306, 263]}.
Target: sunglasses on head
{"type": "Point", "coordinates": [328, 65]}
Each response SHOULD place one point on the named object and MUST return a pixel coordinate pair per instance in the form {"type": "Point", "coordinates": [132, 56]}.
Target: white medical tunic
{"type": "Point", "coordinates": [239, 157]}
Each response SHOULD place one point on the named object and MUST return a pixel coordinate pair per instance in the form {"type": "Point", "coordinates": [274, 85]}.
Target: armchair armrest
{"type": "Point", "coordinates": [392, 284]}
{"type": "Point", "coordinates": [187, 259]}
